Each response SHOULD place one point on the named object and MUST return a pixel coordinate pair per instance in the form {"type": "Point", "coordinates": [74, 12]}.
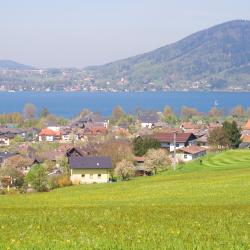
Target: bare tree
{"type": "Point", "coordinates": [29, 110]}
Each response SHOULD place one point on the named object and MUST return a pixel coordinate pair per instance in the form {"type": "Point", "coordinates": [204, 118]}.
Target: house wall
{"type": "Point", "coordinates": [88, 176]}
{"type": "Point", "coordinates": [189, 157]}
{"type": "Point", "coordinates": [178, 146]}
{"type": "Point", "coordinates": [47, 138]}
{"type": "Point", "coordinates": [4, 141]}
{"type": "Point", "coordinates": [146, 125]}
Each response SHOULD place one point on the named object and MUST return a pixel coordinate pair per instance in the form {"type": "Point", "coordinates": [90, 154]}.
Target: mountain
{"type": "Point", "coordinates": [214, 59]}
{"type": "Point", "coordinates": [11, 65]}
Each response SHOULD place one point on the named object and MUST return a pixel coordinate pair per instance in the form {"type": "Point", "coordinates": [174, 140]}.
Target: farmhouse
{"type": "Point", "coordinates": [148, 121]}
{"type": "Point", "coordinates": [190, 153]}
{"type": "Point", "coordinates": [49, 135]}
{"type": "Point", "coordinates": [182, 140]}
{"type": "Point", "coordinates": [89, 169]}
{"type": "Point", "coordinates": [4, 156]}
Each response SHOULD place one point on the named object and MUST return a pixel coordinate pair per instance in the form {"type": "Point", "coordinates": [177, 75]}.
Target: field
{"type": "Point", "coordinates": [200, 206]}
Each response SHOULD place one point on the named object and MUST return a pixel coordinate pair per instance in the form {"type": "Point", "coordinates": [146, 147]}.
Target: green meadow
{"type": "Point", "coordinates": [200, 206]}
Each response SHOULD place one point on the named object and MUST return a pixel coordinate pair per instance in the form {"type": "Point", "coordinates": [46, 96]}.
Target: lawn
{"type": "Point", "coordinates": [200, 206]}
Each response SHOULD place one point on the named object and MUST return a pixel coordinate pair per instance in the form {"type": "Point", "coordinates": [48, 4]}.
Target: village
{"type": "Point", "coordinates": [47, 152]}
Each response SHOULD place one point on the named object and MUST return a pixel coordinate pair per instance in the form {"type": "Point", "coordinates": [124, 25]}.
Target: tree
{"type": "Point", "coordinates": [156, 159]}
{"type": "Point", "coordinates": [44, 112]}
{"type": "Point", "coordinates": [16, 176]}
{"type": "Point", "coordinates": [233, 133]}
{"type": "Point", "coordinates": [227, 136]}
{"type": "Point", "coordinates": [117, 113]}
{"type": "Point", "coordinates": [142, 145]}
{"type": "Point", "coordinates": [117, 150]}
{"type": "Point", "coordinates": [188, 113]}
{"type": "Point", "coordinates": [238, 111]}
{"type": "Point", "coordinates": [37, 178]}
{"type": "Point", "coordinates": [29, 110]}
{"type": "Point", "coordinates": [218, 138]}
{"type": "Point", "coordinates": [85, 112]}
{"type": "Point", "coordinates": [169, 116]}
{"type": "Point", "coordinates": [124, 169]}
{"type": "Point", "coordinates": [215, 113]}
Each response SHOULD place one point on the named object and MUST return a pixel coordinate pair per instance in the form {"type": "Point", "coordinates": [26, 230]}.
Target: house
{"type": "Point", "coordinates": [167, 140]}
{"type": "Point", "coordinates": [67, 135]}
{"type": "Point", "coordinates": [49, 135]}
{"type": "Point", "coordinates": [148, 121]}
{"type": "Point", "coordinates": [202, 141]}
{"type": "Point", "coordinates": [190, 153]}
{"type": "Point", "coordinates": [91, 120]}
{"type": "Point", "coordinates": [246, 129]}
{"type": "Point", "coordinates": [189, 126]}
{"type": "Point", "coordinates": [90, 169]}
{"type": "Point", "coordinates": [245, 142]}
{"type": "Point", "coordinates": [139, 166]}
{"type": "Point", "coordinates": [4, 156]}
{"type": "Point", "coordinates": [5, 140]}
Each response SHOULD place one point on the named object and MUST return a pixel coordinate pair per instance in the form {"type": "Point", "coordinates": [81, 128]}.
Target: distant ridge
{"type": "Point", "coordinates": [215, 58]}
{"type": "Point", "coordinates": [12, 65]}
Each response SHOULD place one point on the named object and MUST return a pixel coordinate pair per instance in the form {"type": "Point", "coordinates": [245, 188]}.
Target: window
{"type": "Point", "coordinates": [91, 176]}
{"type": "Point", "coordinates": [177, 145]}
{"type": "Point", "coordinates": [99, 176]}
{"type": "Point", "coordinates": [83, 175]}
{"type": "Point", "coordinates": [185, 156]}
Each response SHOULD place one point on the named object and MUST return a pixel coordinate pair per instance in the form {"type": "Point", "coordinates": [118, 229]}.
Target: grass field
{"type": "Point", "coordinates": [199, 207]}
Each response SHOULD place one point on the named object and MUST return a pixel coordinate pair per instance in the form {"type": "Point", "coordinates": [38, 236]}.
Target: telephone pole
{"type": "Point", "coordinates": [175, 150]}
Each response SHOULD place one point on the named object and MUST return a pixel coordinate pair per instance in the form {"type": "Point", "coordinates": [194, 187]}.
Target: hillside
{"type": "Point", "coordinates": [12, 65]}
{"type": "Point", "coordinates": [198, 207]}
{"type": "Point", "coordinates": [216, 58]}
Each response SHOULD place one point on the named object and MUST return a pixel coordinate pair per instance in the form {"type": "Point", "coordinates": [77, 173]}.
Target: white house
{"type": "Point", "coordinates": [182, 140]}
{"type": "Point", "coordinates": [190, 153]}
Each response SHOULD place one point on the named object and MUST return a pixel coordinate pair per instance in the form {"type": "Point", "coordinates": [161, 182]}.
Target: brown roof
{"type": "Point", "coordinates": [192, 149]}
{"type": "Point", "coordinates": [169, 137]}
{"type": "Point", "coordinates": [189, 125]}
{"type": "Point", "coordinates": [246, 138]}
{"type": "Point", "coordinates": [139, 158]}
{"type": "Point", "coordinates": [247, 126]}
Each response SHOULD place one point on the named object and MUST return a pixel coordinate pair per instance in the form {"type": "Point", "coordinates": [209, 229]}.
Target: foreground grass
{"type": "Point", "coordinates": [199, 207]}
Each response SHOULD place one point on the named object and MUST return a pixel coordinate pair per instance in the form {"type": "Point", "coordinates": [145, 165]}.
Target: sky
{"type": "Point", "coordinates": [80, 33]}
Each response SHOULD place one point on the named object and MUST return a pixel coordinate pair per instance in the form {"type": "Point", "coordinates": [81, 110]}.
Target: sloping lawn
{"type": "Point", "coordinates": [200, 206]}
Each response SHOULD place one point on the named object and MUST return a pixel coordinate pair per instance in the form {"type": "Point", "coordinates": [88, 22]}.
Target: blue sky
{"type": "Point", "coordinates": [65, 33]}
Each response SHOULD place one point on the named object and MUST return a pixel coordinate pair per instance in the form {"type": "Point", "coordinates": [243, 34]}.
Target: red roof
{"type": "Point", "coordinates": [192, 149]}
{"type": "Point", "coordinates": [169, 137]}
{"type": "Point", "coordinates": [49, 132]}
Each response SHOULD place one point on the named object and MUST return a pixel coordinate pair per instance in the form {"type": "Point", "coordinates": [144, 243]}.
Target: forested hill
{"type": "Point", "coordinates": [215, 58]}
{"type": "Point", "coordinates": [12, 65]}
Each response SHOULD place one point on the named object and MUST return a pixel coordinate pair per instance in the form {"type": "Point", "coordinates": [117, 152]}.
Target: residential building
{"type": "Point", "coordinates": [181, 140]}
{"type": "Point", "coordinates": [190, 153]}
{"type": "Point", "coordinates": [90, 169]}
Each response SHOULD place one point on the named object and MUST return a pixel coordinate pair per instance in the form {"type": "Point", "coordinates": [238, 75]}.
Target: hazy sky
{"type": "Point", "coordinates": [62, 33]}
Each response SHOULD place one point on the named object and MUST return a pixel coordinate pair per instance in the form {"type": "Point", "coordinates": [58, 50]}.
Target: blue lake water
{"type": "Point", "coordinates": [69, 104]}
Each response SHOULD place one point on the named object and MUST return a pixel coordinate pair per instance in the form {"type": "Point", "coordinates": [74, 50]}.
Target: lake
{"type": "Point", "coordinates": [69, 104]}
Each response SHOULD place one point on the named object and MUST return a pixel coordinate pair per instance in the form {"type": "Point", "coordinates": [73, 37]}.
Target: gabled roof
{"type": "Point", "coordinates": [152, 118]}
{"type": "Point", "coordinates": [49, 132]}
{"type": "Point", "coordinates": [90, 162]}
{"type": "Point", "coordinates": [5, 155]}
{"type": "Point", "coordinates": [247, 126]}
{"type": "Point", "coordinates": [246, 138]}
{"type": "Point", "coordinates": [169, 137]}
{"type": "Point", "coordinates": [192, 149]}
